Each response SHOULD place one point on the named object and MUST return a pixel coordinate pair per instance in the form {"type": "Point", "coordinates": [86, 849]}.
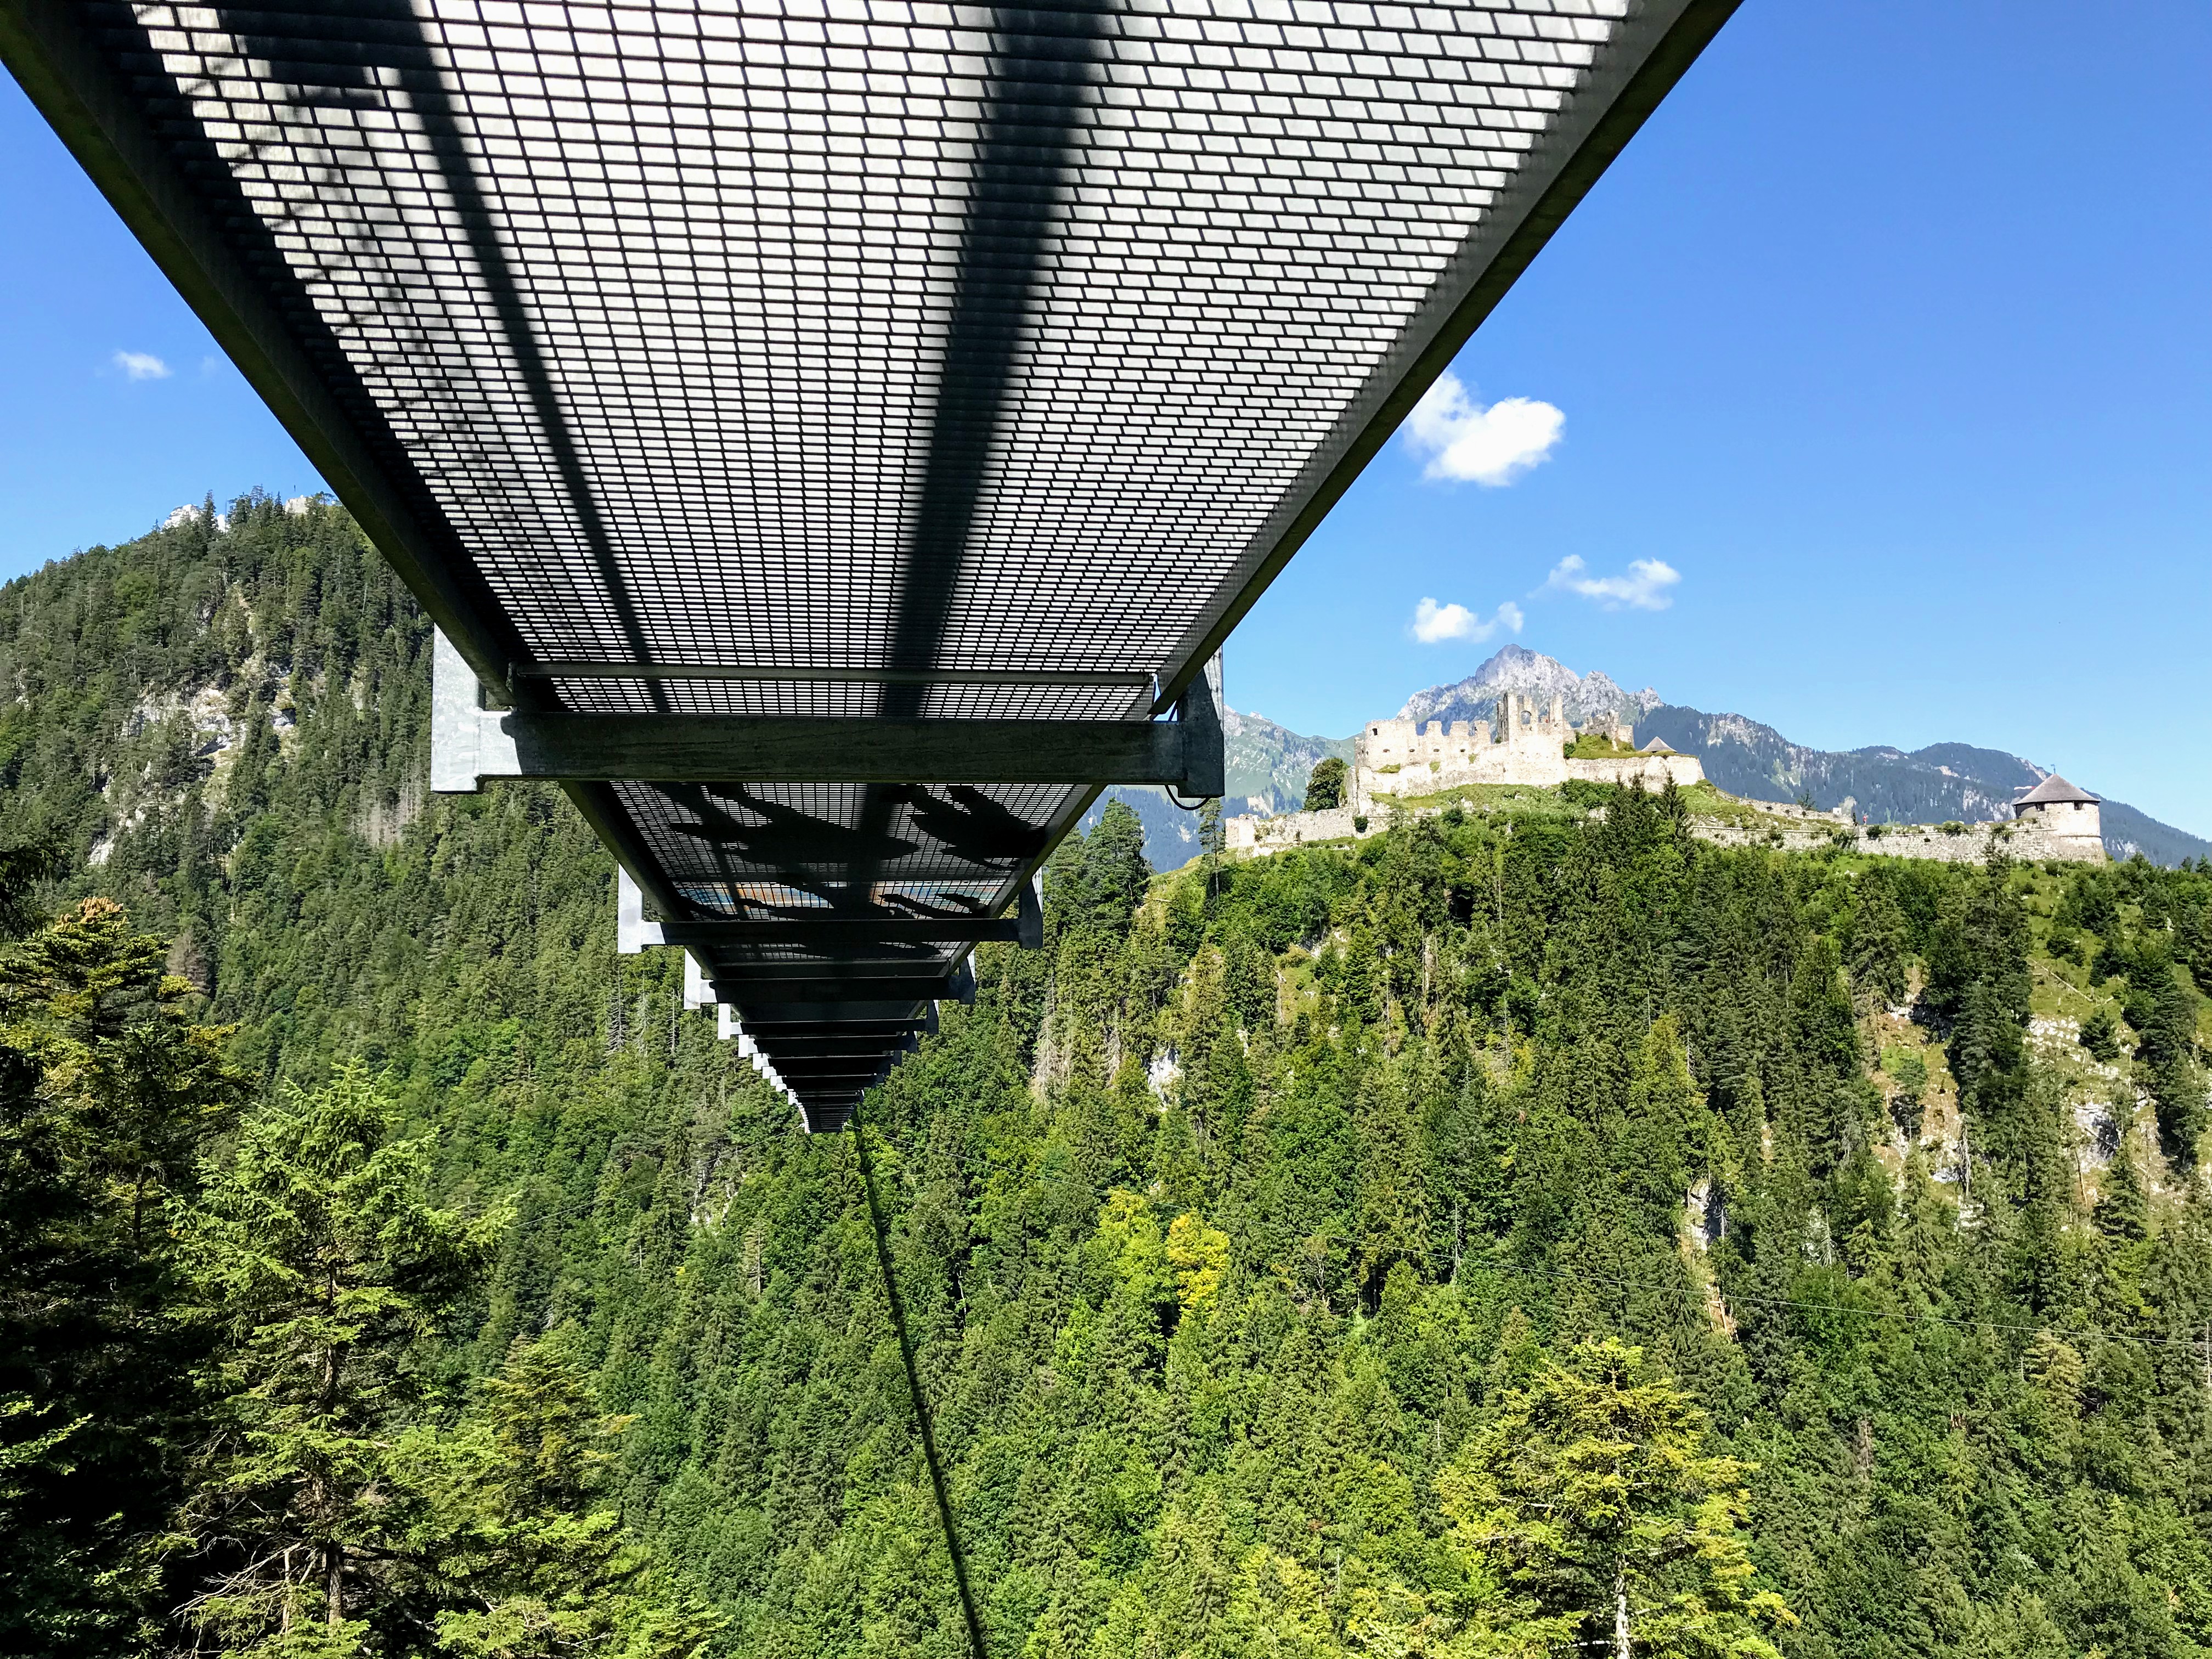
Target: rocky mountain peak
{"type": "Point", "coordinates": [1588, 697]}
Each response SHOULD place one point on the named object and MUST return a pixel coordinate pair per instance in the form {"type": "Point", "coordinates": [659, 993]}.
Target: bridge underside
{"type": "Point", "coordinates": [729, 381]}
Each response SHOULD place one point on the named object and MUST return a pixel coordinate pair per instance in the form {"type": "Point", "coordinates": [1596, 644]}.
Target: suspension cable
{"type": "Point", "coordinates": [976, 1647]}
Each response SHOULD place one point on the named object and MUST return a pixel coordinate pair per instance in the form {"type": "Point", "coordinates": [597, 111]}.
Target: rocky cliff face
{"type": "Point", "coordinates": [1591, 697]}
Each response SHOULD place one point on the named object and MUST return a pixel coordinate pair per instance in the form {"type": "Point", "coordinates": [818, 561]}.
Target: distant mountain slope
{"type": "Point", "coordinates": [1268, 766]}
{"type": "Point", "coordinates": [1949, 780]}
{"type": "Point", "coordinates": [1942, 781]}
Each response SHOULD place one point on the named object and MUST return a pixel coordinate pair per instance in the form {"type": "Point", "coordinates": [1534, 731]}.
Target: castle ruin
{"type": "Point", "coordinates": [1528, 746]}
{"type": "Point", "coordinates": [1395, 759]}
{"type": "Point", "coordinates": [1400, 760]}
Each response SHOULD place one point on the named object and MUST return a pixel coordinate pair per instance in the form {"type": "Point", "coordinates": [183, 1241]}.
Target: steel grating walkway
{"type": "Point", "coordinates": [833, 434]}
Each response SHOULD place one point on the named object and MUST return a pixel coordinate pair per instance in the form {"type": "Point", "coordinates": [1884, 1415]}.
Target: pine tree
{"type": "Point", "coordinates": [1392, 1222]}
{"type": "Point", "coordinates": [317, 1251]}
{"type": "Point", "coordinates": [2101, 1034]}
{"type": "Point", "coordinates": [2168, 1057]}
{"type": "Point", "coordinates": [106, 1086]}
{"type": "Point", "coordinates": [1114, 858]}
{"type": "Point", "coordinates": [2123, 1213]}
{"type": "Point", "coordinates": [1592, 1493]}
{"type": "Point", "coordinates": [1880, 954]}
{"type": "Point", "coordinates": [511, 1551]}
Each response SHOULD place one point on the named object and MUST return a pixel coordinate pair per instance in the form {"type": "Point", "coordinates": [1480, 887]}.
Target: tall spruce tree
{"type": "Point", "coordinates": [1592, 1493]}
{"type": "Point", "coordinates": [106, 1085]}
{"type": "Point", "coordinates": [510, 1549]}
{"type": "Point", "coordinates": [318, 1251]}
{"type": "Point", "coordinates": [2168, 1054]}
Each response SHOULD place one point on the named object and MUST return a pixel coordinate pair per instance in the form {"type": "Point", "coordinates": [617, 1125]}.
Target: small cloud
{"type": "Point", "coordinates": [1434, 623]}
{"type": "Point", "coordinates": [141, 365]}
{"type": "Point", "coordinates": [1643, 588]}
{"type": "Point", "coordinates": [1470, 443]}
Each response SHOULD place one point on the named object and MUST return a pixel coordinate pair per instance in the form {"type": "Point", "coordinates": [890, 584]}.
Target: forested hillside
{"type": "Point", "coordinates": [1506, 1237]}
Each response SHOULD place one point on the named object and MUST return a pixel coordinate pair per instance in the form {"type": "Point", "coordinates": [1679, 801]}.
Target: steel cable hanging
{"type": "Point", "coordinates": [975, 1646]}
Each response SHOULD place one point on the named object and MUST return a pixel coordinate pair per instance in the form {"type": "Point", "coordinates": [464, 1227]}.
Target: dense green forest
{"type": "Point", "coordinates": [1508, 1236]}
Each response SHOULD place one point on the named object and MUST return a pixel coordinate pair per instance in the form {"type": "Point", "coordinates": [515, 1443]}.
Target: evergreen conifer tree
{"type": "Point", "coordinates": [2168, 1056]}
{"type": "Point", "coordinates": [511, 1550]}
{"type": "Point", "coordinates": [1879, 952]}
{"type": "Point", "coordinates": [2101, 1034]}
{"type": "Point", "coordinates": [106, 1085]}
{"type": "Point", "coordinates": [2123, 1213]}
{"type": "Point", "coordinates": [317, 1251]}
{"type": "Point", "coordinates": [1592, 1493]}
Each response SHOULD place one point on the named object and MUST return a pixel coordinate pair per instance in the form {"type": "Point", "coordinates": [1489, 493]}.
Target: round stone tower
{"type": "Point", "coordinates": [2056, 811]}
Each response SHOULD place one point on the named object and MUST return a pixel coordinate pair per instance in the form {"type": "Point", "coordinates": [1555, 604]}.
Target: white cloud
{"type": "Point", "coordinates": [1468, 442]}
{"type": "Point", "coordinates": [1643, 588]}
{"type": "Point", "coordinates": [141, 365]}
{"type": "Point", "coordinates": [1434, 622]}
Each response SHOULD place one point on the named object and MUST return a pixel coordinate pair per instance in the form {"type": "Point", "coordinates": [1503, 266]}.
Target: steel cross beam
{"type": "Point", "coordinates": [869, 985]}
{"type": "Point", "coordinates": [842, 933]}
{"type": "Point", "coordinates": [720, 748]}
{"type": "Point", "coordinates": [470, 743]}
{"type": "Point", "coordinates": [838, 1046]}
{"type": "Point", "coordinates": [765, 1014]}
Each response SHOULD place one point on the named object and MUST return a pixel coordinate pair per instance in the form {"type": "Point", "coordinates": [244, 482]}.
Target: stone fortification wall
{"type": "Point", "coordinates": [1905, 840]}
{"type": "Point", "coordinates": [1532, 769]}
{"type": "Point", "coordinates": [1792, 837]}
{"type": "Point", "coordinates": [1395, 759]}
{"type": "Point", "coordinates": [1787, 829]}
{"type": "Point", "coordinates": [1251, 835]}
{"type": "Point", "coordinates": [1654, 772]}
{"type": "Point", "coordinates": [1919, 842]}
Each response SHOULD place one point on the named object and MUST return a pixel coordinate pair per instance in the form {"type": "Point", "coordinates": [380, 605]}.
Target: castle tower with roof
{"type": "Point", "coordinates": [2058, 809]}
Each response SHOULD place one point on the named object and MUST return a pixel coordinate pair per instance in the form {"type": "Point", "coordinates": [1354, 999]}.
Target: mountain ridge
{"type": "Point", "coordinates": [1932, 785]}
{"type": "Point", "coordinates": [1268, 763]}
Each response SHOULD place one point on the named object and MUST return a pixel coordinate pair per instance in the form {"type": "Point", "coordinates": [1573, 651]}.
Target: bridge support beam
{"type": "Point", "coordinates": [470, 743]}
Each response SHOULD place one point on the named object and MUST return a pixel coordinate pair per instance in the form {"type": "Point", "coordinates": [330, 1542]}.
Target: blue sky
{"type": "Point", "coordinates": [1889, 341]}
{"type": "Point", "coordinates": [1892, 335]}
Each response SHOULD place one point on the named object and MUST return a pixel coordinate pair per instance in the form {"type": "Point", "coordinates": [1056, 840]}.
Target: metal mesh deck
{"type": "Point", "coordinates": [820, 340]}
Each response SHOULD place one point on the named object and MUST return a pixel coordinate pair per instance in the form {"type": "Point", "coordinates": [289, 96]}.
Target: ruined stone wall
{"type": "Point", "coordinates": [1256, 835]}
{"type": "Point", "coordinates": [1787, 828]}
{"type": "Point", "coordinates": [1654, 772]}
{"type": "Point", "coordinates": [1392, 758]}
{"type": "Point", "coordinates": [1520, 763]}
{"type": "Point", "coordinates": [1902, 841]}
{"type": "Point", "coordinates": [1540, 763]}
{"type": "Point", "coordinates": [1405, 742]}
